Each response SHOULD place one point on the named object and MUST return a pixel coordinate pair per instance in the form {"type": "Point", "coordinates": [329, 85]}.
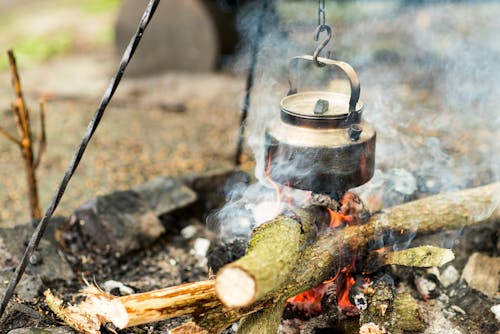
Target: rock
{"type": "Point", "coordinates": [46, 262]}
{"type": "Point", "coordinates": [188, 232]}
{"type": "Point", "coordinates": [427, 286]}
{"type": "Point", "coordinates": [28, 288]}
{"type": "Point", "coordinates": [165, 194]}
{"type": "Point", "coordinates": [449, 276]}
{"type": "Point", "coordinates": [201, 246]}
{"type": "Point", "coordinates": [496, 311]}
{"type": "Point", "coordinates": [120, 222]}
{"type": "Point", "coordinates": [214, 187]}
{"type": "Point", "coordinates": [481, 273]}
{"type": "Point", "coordinates": [181, 36]}
{"type": "Point", "coordinates": [58, 330]}
{"type": "Point", "coordinates": [112, 286]}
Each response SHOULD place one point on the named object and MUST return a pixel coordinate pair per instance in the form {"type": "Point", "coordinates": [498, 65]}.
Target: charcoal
{"type": "Point", "coordinates": [120, 222]}
{"type": "Point", "coordinates": [165, 194]}
{"type": "Point", "coordinates": [46, 262]}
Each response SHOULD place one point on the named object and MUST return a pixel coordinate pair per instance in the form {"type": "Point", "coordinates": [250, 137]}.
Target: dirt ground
{"type": "Point", "coordinates": [429, 83]}
{"type": "Point", "coordinates": [420, 69]}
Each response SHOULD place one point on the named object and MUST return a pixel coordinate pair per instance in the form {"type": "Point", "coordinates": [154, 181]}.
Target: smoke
{"type": "Point", "coordinates": [428, 76]}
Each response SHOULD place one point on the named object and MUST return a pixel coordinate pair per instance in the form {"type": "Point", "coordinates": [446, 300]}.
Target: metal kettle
{"type": "Point", "coordinates": [321, 143]}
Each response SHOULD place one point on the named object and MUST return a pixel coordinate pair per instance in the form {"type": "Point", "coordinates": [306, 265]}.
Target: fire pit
{"type": "Point", "coordinates": [296, 252]}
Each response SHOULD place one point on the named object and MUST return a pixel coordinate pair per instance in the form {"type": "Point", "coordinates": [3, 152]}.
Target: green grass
{"type": "Point", "coordinates": [99, 6]}
{"type": "Point", "coordinates": [32, 46]}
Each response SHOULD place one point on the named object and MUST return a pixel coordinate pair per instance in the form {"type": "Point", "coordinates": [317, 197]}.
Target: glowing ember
{"type": "Point", "coordinates": [309, 302]}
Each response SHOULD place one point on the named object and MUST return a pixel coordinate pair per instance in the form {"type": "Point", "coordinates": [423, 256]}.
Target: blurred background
{"type": "Point", "coordinates": [428, 71]}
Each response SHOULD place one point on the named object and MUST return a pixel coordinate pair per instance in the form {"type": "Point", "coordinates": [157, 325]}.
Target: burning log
{"type": "Point", "coordinates": [423, 256]}
{"type": "Point", "coordinates": [287, 256]}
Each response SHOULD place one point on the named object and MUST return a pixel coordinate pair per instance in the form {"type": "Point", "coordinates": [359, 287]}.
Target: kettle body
{"type": "Point", "coordinates": [321, 144]}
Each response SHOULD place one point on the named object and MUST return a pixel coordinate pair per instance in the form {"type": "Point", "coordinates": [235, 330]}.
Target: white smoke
{"type": "Point", "coordinates": [428, 76]}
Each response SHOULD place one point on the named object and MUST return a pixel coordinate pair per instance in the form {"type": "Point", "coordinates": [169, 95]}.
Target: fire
{"type": "Point", "coordinates": [309, 301]}
{"type": "Point", "coordinates": [343, 293]}
{"type": "Point", "coordinates": [338, 219]}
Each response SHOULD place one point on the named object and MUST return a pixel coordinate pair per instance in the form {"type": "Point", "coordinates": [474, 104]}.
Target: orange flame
{"type": "Point", "coordinates": [343, 293]}
{"type": "Point", "coordinates": [309, 302]}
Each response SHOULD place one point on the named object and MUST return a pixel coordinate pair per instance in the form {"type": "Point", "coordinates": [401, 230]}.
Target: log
{"type": "Point", "coordinates": [287, 256]}
{"type": "Point", "coordinates": [127, 311]}
{"type": "Point", "coordinates": [272, 253]}
{"type": "Point", "coordinates": [422, 256]}
{"type": "Point", "coordinates": [336, 249]}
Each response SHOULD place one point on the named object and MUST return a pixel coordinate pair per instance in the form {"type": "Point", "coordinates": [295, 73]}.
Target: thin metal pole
{"type": "Point", "coordinates": [249, 83]}
{"type": "Point", "coordinates": [108, 94]}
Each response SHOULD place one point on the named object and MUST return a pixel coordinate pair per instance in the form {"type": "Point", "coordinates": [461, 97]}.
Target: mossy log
{"type": "Point", "coordinates": [337, 248]}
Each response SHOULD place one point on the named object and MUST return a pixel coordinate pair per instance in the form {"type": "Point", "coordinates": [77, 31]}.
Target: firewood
{"type": "Point", "coordinates": [286, 256]}
{"type": "Point", "coordinates": [273, 251]}
{"type": "Point", "coordinates": [446, 211]}
{"type": "Point", "coordinates": [422, 256]}
{"type": "Point", "coordinates": [135, 309]}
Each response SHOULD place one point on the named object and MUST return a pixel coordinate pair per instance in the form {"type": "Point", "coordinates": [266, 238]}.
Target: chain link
{"type": "Point", "coordinates": [321, 12]}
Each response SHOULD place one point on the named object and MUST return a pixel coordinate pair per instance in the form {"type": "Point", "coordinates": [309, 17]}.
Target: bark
{"type": "Point", "coordinates": [422, 256]}
{"type": "Point", "coordinates": [272, 253]}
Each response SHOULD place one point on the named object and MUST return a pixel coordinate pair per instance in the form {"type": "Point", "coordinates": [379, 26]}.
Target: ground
{"type": "Point", "coordinates": [428, 77]}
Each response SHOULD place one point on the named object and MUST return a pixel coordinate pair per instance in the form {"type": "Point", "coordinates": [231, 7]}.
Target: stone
{"type": "Point", "coordinates": [46, 262]}
{"type": "Point", "coordinates": [449, 276]}
{"type": "Point", "coordinates": [165, 194]}
{"type": "Point", "coordinates": [28, 288]}
{"type": "Point", "coordinates": [181, 36]}
{"type": "Point", "coordinates": [496, 311]}
{"type": "Point", "coordinates": [481, 273]}
{"type": "Point", "coordinates": [188, 232]}
{"type": "Point", "coordinates": [120, 222]}
{"type": "Point", "coordinates": [214, 187]}
{"type": "Point", "coordinates": [201, 246]}
{"type": "Point", "coordinates": [111, 286]}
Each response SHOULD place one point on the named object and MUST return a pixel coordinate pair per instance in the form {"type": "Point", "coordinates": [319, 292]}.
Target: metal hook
{"type": "Point", "coordinates": [321, 46]}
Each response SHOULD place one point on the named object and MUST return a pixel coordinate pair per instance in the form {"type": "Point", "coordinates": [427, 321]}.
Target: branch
{"type": "Point", "coordinates": [10, 137]}
{"type": "Point", "coordinates": [22, 117]}
{"type": "Point", "coordinates": [20, 107]}
{"type": "Point", "coordinates": [42, 140]}
{"type": "Point", "coordinates": [334, 250]}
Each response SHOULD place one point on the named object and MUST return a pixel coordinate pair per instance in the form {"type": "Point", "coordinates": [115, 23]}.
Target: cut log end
{"type": "Point", "coordinates": [235, 287]}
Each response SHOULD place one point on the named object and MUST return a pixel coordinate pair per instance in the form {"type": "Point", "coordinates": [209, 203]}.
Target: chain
{"type": "Point", "coordinates": [321, 13]}
{"type": "Point", "coordinates": [322, 27]}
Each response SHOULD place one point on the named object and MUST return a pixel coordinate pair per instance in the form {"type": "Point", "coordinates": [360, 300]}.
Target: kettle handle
{"type": "Point", "coordinates": [345, 67]}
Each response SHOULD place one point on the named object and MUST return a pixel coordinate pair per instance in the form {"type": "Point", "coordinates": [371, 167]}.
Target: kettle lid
{"type": "Point", "coordinates": [319, 109]}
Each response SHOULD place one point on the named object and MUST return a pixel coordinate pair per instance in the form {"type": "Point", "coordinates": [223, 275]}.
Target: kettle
{"type": "Point", "coordinates": [321, 144]}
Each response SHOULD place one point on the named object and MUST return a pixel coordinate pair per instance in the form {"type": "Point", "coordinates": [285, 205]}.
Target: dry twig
{"type": "Point", "coordinates": [25, 141]}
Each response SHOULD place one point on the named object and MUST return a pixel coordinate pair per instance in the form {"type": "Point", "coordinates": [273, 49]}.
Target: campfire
{"type": "Point", "coordinates": [298, 244]}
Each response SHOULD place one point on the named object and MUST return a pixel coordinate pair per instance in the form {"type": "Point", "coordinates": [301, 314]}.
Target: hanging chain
{"type": "Point", "coordinates": [322, 26]}
{"type": "Point", "coordinates": [321, 12]}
